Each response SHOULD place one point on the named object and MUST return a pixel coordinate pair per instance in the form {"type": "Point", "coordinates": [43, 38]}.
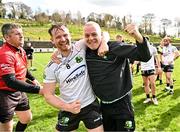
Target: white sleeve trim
{"type": "Point", "coordinates": [49, 81]}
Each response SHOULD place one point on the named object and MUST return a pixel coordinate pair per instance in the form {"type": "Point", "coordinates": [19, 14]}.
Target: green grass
{"type": "Point", "coordinates": [164, 117]}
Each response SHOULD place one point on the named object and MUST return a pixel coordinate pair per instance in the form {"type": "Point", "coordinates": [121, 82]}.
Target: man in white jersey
{"type": "Point", "coordinates": [77, 100]}
{"type": "Point", "coordinates": [149, 76]}
{"type": "Point", "coordinates": [168, 56]}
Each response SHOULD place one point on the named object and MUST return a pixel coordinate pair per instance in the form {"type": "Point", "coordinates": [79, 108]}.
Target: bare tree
{"type": "Point", "coordinates": [126, 19]}
{"type": "Point", "coordinates": [100, 19]}
{"type": "Point", "coordinates": [56, 17]}
{"type": "Point", "coordinates": [118, 22]}
{"type": "Point", "coordinates": [79, 18]}
{"type": "Point", "coordinates": [68, 18]}
{"type": "Point", "coordinates": [147, 22]}
{"type": "Point", "coordinates": [91, 17]}
{"type": "Point", "coordinates": [13, 8]}
{"type": "Point", "coordinates": [108, 19]}
{"type": "Point", "coordinates": [165, 23]}
{"type": "Point", "coordinates": [19, 10]}
{"type": "Point", "coordinates": [124, 22]}
{"type": "Point", "coordinates": [2, 10]}
{"type": "Point", "coordinates": [24, 11]}
{"type": "Point", "coordinates": [42, 18]}
{"type": "Point", "coordinates": [63, 16]}
{"type": "Point", "coordinates": [129, 18]}
{"type": "Point", "coordinates": [177, 25]}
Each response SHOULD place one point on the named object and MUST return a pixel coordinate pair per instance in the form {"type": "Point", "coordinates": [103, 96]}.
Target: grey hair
{"type": "Point", "coordinates": [7, 28]}
{"type": "Point", "coordinates": [92, 23]}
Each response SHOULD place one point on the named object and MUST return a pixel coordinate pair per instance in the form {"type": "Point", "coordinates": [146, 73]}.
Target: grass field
{"type": "Point", "coordinates": [164, 117]}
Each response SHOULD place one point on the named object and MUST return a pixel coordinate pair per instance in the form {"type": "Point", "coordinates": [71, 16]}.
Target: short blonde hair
{"type": "Point", "coordinates": [167, 38]}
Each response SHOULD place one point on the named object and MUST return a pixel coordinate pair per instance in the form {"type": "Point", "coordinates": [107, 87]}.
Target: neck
{"type": "Point", "coordinates": [13, 45]}
{"type": "Point", "coordinates": [65, 53]}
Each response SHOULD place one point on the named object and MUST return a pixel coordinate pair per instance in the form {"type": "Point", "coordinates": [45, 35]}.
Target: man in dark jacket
{"type": "Point", "coordinates": [110, 75]}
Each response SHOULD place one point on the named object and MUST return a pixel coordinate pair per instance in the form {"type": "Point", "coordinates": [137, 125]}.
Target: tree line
{"type": "Point", "coordinates": [19, 10]}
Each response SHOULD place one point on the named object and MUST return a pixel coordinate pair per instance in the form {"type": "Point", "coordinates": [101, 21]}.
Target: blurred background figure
{"type": "Point", "coordinates": [29, 52]}
{"type": "Point", "coordinates": [169, 54]}
{"type": "Point", "coordinates": [159, 50]}
{"type": "Point", "coordinates": [119, 38]}
{"type": "Point", "coordinates": [148, 72]}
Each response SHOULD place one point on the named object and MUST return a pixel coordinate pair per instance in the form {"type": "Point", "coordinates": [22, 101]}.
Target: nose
{"type": "Point", "coordinates": [63, 38]}
{"type": "Point", "coordinates": [91, 37]}
{"type": "Point", "coordinates": [21, 35]}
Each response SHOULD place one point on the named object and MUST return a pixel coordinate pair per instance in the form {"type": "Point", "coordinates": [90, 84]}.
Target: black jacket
{"type": "Point", "coordinates": [110, 76]}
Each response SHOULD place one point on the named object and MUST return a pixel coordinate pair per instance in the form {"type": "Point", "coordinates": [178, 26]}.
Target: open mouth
{"type": "Point", "coordinates": [93, 42]}
{"type": "Point", "coordinates": [64, 44]}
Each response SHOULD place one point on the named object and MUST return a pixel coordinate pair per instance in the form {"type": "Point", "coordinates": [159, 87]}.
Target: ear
{"type": "Point", "coordinates": [6, 37]}
{"type": "Point", "coordinates": [51, 39]}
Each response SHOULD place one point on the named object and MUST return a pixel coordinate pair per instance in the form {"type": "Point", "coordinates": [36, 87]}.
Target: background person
{"type": "Point", "coordinates": [148, 71]}
{"type": "Point", "coordinates": [29, 52]}
{"type": "Point", "coordinates": [119, 38]}
{"type": "Point", "coordinates": [168, 56]}
{"type": "Point", "coordinates": [160, 73]}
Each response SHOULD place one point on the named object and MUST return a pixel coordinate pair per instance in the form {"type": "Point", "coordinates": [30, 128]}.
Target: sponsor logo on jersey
{"type": "Point", "coordinates": [78, 59]}
{"type": "Point", "coordinates": [76, 74]}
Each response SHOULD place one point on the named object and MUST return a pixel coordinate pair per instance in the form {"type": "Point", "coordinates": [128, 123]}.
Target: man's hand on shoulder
{"type": "Point", "coordinates": [56, 57]}
{"type": "Point", "coordinates": [104, 48]}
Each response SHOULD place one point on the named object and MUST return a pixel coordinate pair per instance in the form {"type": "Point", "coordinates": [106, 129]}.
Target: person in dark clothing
{"type": "Point", "coordinates": [110, 75]}
{"type": "Point", "coordinates": [29, 52]}
{"type": "Point", "coordinates": [13, 74]}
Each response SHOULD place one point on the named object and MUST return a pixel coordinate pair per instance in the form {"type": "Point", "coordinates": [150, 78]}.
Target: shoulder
{"type": "Point", "coordinates": [113, 44]}
{"type": "Point", "coordinates": [6, 53]}
{"type": "Point", "coordinates": [119, 46]}
{"type": "Point", "coordinates": [81, 44]}
{"type": "Point", "coordinates": [50, 68]}
{"type": "Point", "coordinates": [154, 48]}
{"type": "Point", "coordinates": [7, 57]}
{"type": "Point", "coordinates": [174, 47]}
{"type": "Point", "coordinates": [51, 65]}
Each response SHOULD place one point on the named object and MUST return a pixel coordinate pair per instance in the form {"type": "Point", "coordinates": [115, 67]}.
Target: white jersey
{"type": "Point", "coordinates": [150, 65]}
{"type": "Point", "coordinates": [168, 54]}
{"type": "Point", "coordinates": [72, 76]}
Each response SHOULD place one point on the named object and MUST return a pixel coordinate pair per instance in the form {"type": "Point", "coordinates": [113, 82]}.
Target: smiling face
{"type": "Point", "coordinates": [92, 35]}
{"type": "Point", "coordinates": [61, 38]}
{"type": "Point", "coordinates": [166, 41]}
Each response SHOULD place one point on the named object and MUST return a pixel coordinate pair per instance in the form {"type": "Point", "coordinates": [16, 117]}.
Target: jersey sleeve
{"type": "Point", "coordinates": [49, 74]}
{"type": "Point", "coordinates": [174, 49]}
{"type": "Point", "coordinates": [7, 64]}
{"type": "Point", "coordinates": [154, 50]}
